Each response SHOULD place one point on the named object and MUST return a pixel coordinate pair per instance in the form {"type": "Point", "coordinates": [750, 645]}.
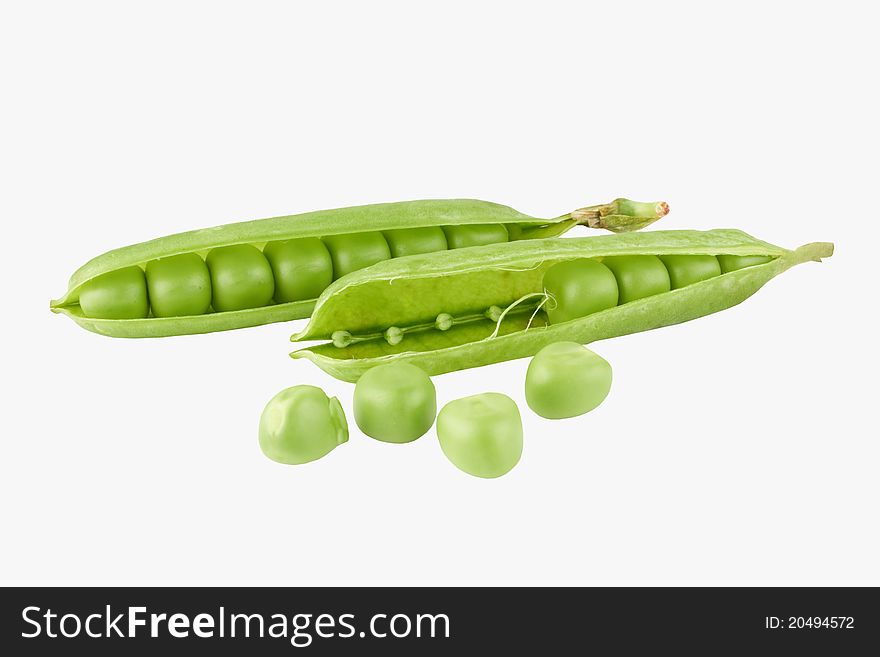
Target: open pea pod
{"type": "Point", "coordinates": [488, 304]}
{"type": "Point", "coordinates": [272, 270]}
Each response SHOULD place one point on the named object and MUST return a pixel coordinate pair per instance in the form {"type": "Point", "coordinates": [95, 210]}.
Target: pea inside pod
{"type": "Point", "coordinates": [272, 270]}
{"type": "Point", "coordinates": [638, 276]}
{"type": "Point", "coordinates": [356, 251]}
{"type": "Point", "coordinates": [486, 304]}
{"type": "Point", "coordinates": [241, 278]}
{"type": "Point", "coordinates": [302, 268]}
{"type": "Point", "coordinates": [117, 294]}
{"type": "Point", "coordinates": [686, 270]}
{"type": "Point", "coordinates": [413, 241]}
{"type": "Point", "coordinates": [734, 262]}
{"type": "Point", "coordinates": [578, 287]}
{"type": "Point", "coordinates": [179, 285]}
{"type": "Point", "coordinates": [459, 237]}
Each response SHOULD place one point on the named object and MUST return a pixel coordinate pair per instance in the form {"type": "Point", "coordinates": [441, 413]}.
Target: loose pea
{"type": "Point", "coordinates": [179, 285]}
{"type": "Point", "coordinates": [241, 277]}
{"type": "Point", "coordinates": [482, 435]}
{"type": "Point", "coordinates": [686, 270]}
{"type": "Point", "coordinates": [462, 235]}
{"type": "Point", "coordinates": [301, 424]}
{"type": "Point", "coordinates": [638, 276]}
{"type": "Point", "coordinates": [732, 262]}
{"type": "Point", "coordinates": [578, 288]}
{"type": "Point", "coordinates": [118, 294]}
{"type": "Point", "coordinates": [302, 268]}
{"type": "Point", "coordinates": [411, 241]}
{"type": "Point", "coordinates": [354, 251]}
{"type": "Point", "coordinates": [566, 379]}
{"type": "Point", "coordinates": [395, 403]}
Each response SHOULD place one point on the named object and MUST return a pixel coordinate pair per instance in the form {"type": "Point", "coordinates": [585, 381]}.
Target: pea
{"type": "Point", "coordinates": [411, 241]}
{"type": "Point", "coordinates": [179, 285]}
{"type": "Point", "coordinates": [565, 379]}
{"type": "Point", "coordinates": [578, 288]}
{"type": "Point", "coordinates": [118, 294]}
{"type": "Point", "coordinates": [302, 268]}
{"type": "Point", "coordinates": [482, 435]}
{"type": "Point", "coordinates": [686, 270]}
{"type": "Point", "coordinates": [301, 424]}
{"type": "Point", "coordinates": [463, 235]}
{"type": "Point", "coordinates": [354, 251]}
{"type": "Point", "coordinates": [638, 276]}
{"type": "Point", "coordinates": [395, 403]}
{"type": "Point", "coordinates": [241, 277]}
{"type": "Point", "coordinates": [732, 262]}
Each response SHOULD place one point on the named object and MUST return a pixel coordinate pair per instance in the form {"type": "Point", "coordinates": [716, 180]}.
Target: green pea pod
{"type": "Point", "coordinates": [485, 304]}
{"type": "Point", "coordinates": [108, 295]}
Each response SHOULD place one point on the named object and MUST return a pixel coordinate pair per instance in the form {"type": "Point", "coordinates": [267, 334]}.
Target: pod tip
{"type": "Point", "coordinates": [815, 251]}
{"type": "Point", "coordinates": [825, 250]}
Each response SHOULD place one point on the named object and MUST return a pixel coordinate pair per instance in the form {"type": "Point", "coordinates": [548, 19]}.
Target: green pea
{"type": "Point", "coordinates": [565, 379]}
{"type": "Point", "coordinates": [463, 235]}
{"type": "Point", "coordinates": [732, 262]}
{"type": "Point", "coordinates": [578, 288]}
{"type": "Point", "coordinates": [241, 277]}
{"type": "Point", "coordinates": [301, 424]}
{"type": "Point", "coordinates": [179, 285]}
{"type": "Point", "coordinates": [482, 435]}
{"type": "Point", "coordinates": [411, 241]}
{"type": "Point", "coordinates": [638, 276]}
{"type": "Point", "coordinates": [118, 294]}
{"type": "Point", "coordinates": [302, 268]}
{"type": "Point", "coordinates": [686, 270]}
{"type": "Point", "coordinates": [395, 403]}
{"type": "Point", "coordinates": [354, 251]}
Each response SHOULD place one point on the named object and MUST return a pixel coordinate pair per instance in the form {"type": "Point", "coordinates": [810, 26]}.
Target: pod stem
{"type": "Point", "coordinates": [621, 215]}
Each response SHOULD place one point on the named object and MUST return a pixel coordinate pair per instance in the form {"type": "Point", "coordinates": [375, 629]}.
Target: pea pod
{"type": "Point", "coordinates": [488, 304]}
{"type": "Point", "coordinates": [272, 270]}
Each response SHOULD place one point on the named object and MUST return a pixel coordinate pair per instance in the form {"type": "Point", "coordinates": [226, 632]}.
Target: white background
{"type": "Point", "coordinates": [737, 449]}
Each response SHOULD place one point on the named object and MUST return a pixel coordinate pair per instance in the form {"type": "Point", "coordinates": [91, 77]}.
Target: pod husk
{"type": "Point", "coordinates": [376, 217]}
{"type": "Point", "coordinates": [406, 291]}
